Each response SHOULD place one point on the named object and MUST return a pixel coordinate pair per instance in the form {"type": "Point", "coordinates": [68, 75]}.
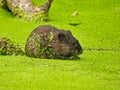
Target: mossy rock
{"type": "Point", "coordinates": [7, 47]}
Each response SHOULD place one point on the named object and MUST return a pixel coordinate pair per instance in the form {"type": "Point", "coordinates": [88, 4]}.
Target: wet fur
{"type": "Point", "coordinates": [63, 43]}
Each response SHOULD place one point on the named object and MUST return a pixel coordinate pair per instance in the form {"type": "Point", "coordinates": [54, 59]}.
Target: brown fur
{"type": "Point", "coordinates": [58, 43]}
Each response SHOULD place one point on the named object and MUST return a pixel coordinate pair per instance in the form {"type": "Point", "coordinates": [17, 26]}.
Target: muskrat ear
{"type": "Point", "coordinates": [61, 37]}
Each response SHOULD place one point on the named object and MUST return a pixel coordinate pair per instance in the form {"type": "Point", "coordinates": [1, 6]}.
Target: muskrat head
{"type": "Point", "coordinates": [66, 45]}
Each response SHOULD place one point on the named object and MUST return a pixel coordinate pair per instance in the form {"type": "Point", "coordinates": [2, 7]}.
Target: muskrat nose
{"type": "Point", "coordinates": [81, 51]}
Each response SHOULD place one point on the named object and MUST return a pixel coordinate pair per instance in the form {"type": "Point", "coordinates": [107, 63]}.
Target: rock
{"type": "Point", "coordinates": [7, 47]}
{"type": "Point", "coordinates": [49, 42]}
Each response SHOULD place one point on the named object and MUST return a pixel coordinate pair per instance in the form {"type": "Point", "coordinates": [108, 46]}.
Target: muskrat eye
{"type": "Point", "coordinates": [62, 37]}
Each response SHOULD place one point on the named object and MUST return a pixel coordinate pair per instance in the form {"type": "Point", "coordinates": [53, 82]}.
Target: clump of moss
{"type": "Point", "coordinates": [3, 4]}
{"type": "Point", "coordinates": [7, 47]}
{"type": "Point", "coordinates": [32, 16]}
{"type": "Point", "coordinates": [39, 47]}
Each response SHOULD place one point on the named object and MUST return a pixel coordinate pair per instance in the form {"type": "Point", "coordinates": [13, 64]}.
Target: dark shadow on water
{"type": "Point", "coordinates": [64, 59]}
{"type": "Point", "coordinates": [68, 59]}
{"type": "Point", "coordinates": [75, 24]}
